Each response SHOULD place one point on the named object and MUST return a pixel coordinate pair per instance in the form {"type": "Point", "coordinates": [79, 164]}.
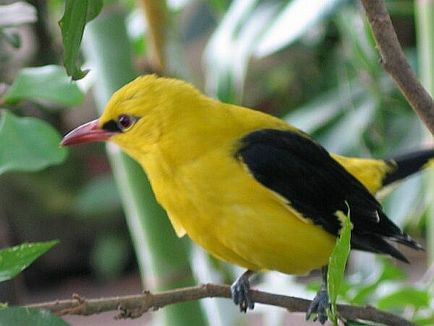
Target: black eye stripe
{"type": "Point", "coordinates": [111, 125]}
{"type": "Point", "coordinates": [123, 123]}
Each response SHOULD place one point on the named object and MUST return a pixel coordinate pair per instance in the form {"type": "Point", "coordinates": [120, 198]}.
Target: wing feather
{"type": "Point", "coordinates": [297, 168]}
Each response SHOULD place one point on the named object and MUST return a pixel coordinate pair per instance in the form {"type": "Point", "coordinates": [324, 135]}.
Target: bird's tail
{"type": "Point", "coordinates": [377, 174]}
{"type": "Point", "coordinates": [405, 165]}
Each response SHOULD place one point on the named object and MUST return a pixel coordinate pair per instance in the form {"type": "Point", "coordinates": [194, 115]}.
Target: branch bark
{"type": "Point", "coordinates": [395, 62]}
{"type": "Point", "coordinates": [134, 306]}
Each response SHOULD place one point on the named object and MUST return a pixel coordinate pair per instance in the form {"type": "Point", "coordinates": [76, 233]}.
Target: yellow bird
{"type": "Point", "coordinates": [249, 188]}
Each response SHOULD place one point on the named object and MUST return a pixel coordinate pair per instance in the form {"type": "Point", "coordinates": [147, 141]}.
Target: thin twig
{"type": "Point", "coordinates": [133, 306]}
{"type": "Point", "coordinates": [395, 62]}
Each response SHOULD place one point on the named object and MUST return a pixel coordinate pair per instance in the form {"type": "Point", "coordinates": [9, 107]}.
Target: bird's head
{"type": "Point", "coordinates": [138, 113]}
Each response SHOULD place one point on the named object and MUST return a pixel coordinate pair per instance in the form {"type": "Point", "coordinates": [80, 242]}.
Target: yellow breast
{"type": "Point", "coordinates": [226, 211]}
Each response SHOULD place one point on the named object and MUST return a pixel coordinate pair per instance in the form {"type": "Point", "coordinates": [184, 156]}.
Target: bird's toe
{"type": "Point", "coordinates": [319, 306]}
{"type": "Point", "coordinates": [240, 291]}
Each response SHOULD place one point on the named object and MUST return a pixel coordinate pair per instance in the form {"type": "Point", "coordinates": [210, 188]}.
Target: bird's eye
{"type": "Point", "coordinates": [125, 122]}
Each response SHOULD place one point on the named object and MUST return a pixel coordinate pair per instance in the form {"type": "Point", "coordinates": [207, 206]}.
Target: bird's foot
{"type": "Point", "coordinates": [319, 306]}
{"type": "Point", "coordinates": [240, 291]}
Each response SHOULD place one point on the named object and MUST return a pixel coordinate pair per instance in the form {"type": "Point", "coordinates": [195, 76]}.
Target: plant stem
{"type": "Point", "coordinates": [163, 259]}
{"type": "Point", "coordinates": [155, 12]}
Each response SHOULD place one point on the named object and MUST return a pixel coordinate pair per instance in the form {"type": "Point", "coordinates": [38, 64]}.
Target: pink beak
{"type": "Point", "coordinates": [86, 133]}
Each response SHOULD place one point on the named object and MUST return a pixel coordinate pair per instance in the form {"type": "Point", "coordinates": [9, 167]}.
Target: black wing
{"type": "Point", "coordinates": [302, 171]}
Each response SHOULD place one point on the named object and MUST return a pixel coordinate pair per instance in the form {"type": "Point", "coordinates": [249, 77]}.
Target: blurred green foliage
{"type": "Point", "coordinates": [28, 144]}
{"type": "Point", "coordinates": [47, 83]}
{"type": "Point", "coordinates": [99, 197]}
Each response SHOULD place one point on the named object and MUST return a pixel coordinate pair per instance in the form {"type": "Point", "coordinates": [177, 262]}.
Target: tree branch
{"type": "Point", "coordinates": [395, 62]}
{"type": "Point", "coordinates": [134, 306]}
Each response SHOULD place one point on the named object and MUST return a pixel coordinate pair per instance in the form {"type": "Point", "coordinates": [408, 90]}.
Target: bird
{"type": "Point", "coordinates": [248, 187]}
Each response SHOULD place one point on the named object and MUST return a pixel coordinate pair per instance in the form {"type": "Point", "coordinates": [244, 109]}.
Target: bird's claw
{"type": "Point", "coordinates": [319, 306]}
{"type": "Point", "coordinates": [240, 292]}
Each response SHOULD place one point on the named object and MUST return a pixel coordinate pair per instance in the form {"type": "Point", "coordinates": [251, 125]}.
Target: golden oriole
{"type": "Point", "coordinates": [249, 188]}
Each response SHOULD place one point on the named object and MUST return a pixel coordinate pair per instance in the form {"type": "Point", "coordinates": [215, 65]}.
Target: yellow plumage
{"type": "Point", "coordinates": [369, 172]}
{"type": "Point", "coordinates": [186, 142]}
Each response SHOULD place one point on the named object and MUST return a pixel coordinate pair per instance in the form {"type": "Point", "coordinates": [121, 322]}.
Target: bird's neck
{"type": "Point", "coordinates": [188, 135]}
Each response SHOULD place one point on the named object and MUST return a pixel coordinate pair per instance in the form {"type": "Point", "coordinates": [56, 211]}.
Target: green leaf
{"type": "Point", "coordinates": [29, 317]}
{"type": "Point", "coordinates": [337, 263]}
{"type": "Point", "coordinates": [77, 14]}
{"type": "Point", "coordinates": [418, 298]}
{"type": "Point", "coordinates": [48, 83]}
{"type": "Point", "coordinates": [15, 259]}
{"type": "Point", "coordinates": [28, 144]}
{"type": "Point", "coordinates": [391, 272]}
